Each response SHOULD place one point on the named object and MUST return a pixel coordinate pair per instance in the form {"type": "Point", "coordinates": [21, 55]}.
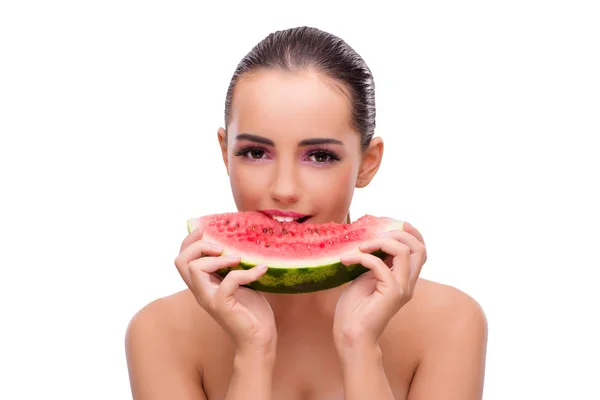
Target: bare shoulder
{"type": "Point", "coordinates": [163, 319]}
{"type": "Point", "coordinates": [442, 306]}
{"type": "Point", "coordinates": [164, 346]}
{"type": "Point", "coordinates": [434, 314]}
{"type": "Point", "coordinates": [452, 330]}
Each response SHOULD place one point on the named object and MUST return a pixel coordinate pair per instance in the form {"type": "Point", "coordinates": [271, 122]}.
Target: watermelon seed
{"type": "Point", "coordinates": [347, 237]}
{"type": "Point", "coordinates": [226, 222]}
{"type": "Point", "coordinates": [253, 228]}
{"type": "Point", "coordinates": [265, 230]}
{"type": "Point", "coordinates": [284, 231]}
{"type": "Point", "coordinates": [237, 225]}
{"type": "Point", "coordinates": [271, 231]}
{"type": "Point", "coordinates": [267, 245]}
{"type": "Point", "coordinates": [329, 242]}
{"type": "Point", "coordinates": [258, 242]}
{"type": "Point", "coordinates": [317, 231]}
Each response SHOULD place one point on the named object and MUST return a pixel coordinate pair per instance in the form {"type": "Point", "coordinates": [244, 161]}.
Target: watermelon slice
{"type": "Point", "coordinates": [301, 257]}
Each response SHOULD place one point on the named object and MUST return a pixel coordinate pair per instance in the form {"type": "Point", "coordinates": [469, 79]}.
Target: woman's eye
{"type": "Point", "coordinates": [256, 153]}
{"type": "Point", "coordinates": [320, 157]}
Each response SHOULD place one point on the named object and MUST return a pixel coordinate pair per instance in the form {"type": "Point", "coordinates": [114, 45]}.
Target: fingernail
{"type": "Point", "coordinates": [383, 234]}
{"type": "Point", "coordinates": [365, 245]}
{"type": "Point", "coordinates": [234, 257]}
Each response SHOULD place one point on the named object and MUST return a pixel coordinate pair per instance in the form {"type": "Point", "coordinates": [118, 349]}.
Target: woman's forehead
{"type": "Point", "coordinates": [299, 104]}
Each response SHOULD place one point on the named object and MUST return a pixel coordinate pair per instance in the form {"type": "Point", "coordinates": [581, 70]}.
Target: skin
{"type": "Point", "coordinates": [387, 335]}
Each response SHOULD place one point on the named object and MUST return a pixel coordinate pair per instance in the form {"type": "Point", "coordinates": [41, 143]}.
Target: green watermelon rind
{"type": "Point", "coordinates": [301, 278]}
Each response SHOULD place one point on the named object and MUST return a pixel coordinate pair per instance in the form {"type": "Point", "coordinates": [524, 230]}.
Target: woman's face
{"type": "Point", "coordinates": [291, 147]}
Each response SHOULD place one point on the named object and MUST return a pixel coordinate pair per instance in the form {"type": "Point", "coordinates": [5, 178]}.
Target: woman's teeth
{"type": "Point", "coordinates": [283, 219]}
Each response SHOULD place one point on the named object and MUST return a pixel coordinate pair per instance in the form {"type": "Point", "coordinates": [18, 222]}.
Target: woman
{"type": "Point", "coordinates": [298, 136]}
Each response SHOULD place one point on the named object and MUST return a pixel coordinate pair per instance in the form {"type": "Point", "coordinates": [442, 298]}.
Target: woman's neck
{"type": "Point", "coordinates": [291, 309]}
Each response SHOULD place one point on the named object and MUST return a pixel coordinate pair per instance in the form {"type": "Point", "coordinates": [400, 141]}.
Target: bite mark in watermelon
{"type": "Point", "coordinates": [301, 257]}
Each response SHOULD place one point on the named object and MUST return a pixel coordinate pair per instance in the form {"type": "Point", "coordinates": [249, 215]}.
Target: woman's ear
{"type": "Point", "coordinates": [222, 136]}
{"type": "Point", "coordinates": [371, 160]}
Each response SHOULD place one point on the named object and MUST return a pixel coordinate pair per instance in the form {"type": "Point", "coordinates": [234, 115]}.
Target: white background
{"type": "Point", "coordinates": [108, 120]}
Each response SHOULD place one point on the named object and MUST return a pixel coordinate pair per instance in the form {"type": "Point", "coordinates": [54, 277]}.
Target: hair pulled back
{"type": "Point", "coordinates": [305, 48]}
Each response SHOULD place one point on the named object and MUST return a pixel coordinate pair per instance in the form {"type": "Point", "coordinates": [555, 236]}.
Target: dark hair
{"type": "Point", "coordinates": [304, 48]}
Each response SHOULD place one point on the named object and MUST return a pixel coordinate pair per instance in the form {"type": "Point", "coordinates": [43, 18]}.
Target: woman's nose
{"type": "Point", "coordinates": [285, 187]}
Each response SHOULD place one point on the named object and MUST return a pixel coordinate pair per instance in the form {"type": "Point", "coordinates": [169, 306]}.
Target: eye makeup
{"type": "Point", "coordinates": [317, 156]}
{"type": "Point", "coordinates": [251, 152]}
{"type": "Point", "coordinates": [322, 156]}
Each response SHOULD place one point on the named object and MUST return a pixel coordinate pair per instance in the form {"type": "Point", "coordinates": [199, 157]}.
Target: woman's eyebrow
{"type": "Point", "coordinates": [317, 141]}
{"type": "Point", "coordinates": [305, 142]}
{"type": "Point", "coordinates": [255, 138]}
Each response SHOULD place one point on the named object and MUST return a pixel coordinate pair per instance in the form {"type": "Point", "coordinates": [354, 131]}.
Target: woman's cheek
{"type": "Point", "coordinates": [330, 190]}
{"type": "Point", "coordinates": [246, 186]}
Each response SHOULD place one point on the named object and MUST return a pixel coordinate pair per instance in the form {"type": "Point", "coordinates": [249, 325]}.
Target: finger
{"type": "Point", "coordinates": [418, 251]}
{"type": "Point", "coordinates": [235, 279]}
{"type": "Point", "coordinates": [192, 237]}
{"type": "Point", "coordinates": [405, 237]}
{"type": "Point", "coordinates": [201, 275]}
{"type": "Point", "coordinates": [389, 245]}
{"type": "Point", "coordinates": [407, 227]}
{"type": "Point", "coordinates": [196, 250]}
{"type": "Point", "coordinates": [400, 253]}
{"type": "Point", "coordinates": [212, 264]}
{"type": "Point", "coordinates": [192, 252]}
{"type": "Point", "coordinates": [380, 270]}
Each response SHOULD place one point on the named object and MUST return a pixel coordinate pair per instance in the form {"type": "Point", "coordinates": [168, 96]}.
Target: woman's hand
{"type": "Point", "coordinates": [371, 300]}
{"type": "Point", "coordinates": [243, 313]}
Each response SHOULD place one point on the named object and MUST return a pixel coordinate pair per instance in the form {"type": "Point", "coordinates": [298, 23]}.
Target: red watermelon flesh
{"type": "Point", "coordinates": [313, 249]}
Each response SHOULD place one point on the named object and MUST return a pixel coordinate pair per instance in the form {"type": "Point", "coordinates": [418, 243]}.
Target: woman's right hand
{"type": "Point", "coordinates": [243, 313]}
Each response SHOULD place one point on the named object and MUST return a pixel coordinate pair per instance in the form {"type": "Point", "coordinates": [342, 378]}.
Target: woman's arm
{"type": "Point", "coordinates": [252, 377]}
{"type": "Point", "coordinates": [160, 367]}
{"type": "Point", "coordinates": [157, 368]}
{"type": "Point", "coordinates": [453, 363]}
{"type": "Point", "coordinates": [364, 375]}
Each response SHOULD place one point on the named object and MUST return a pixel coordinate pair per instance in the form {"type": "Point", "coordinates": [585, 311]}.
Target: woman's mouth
{"type": "Point", "coordinates": [286, 216]}
{"type": "Point", "coordinates": [290, 219]}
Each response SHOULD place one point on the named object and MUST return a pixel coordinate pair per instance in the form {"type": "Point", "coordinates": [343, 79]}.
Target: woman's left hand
{"type": "Point", "coordinates": [371, 300]}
